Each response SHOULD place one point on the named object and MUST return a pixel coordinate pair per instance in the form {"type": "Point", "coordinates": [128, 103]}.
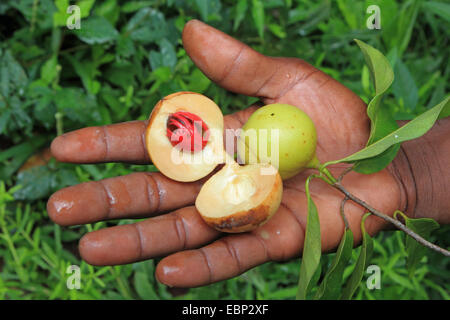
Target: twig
{"type": "Point", "coordinates": [347, 170]}
{"type": "Point", "coordinates": [343, 212]}
{"type": "Point", "coordinates": [395, 222]}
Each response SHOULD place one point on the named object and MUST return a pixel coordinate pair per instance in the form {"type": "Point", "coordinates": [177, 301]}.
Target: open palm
{"type": "Point", "coordinates": [196, 254]}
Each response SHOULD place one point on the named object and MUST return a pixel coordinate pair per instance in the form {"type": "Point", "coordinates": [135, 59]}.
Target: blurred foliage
{"type": "Point", "coordinates": [126, 56]}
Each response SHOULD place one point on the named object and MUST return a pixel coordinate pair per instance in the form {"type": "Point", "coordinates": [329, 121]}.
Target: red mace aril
{"type": "Point", "coordinates": [187, 131]}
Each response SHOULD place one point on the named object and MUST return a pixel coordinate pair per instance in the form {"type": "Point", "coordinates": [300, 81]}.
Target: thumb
{"type": "Point", "coordinates": [237, 67]}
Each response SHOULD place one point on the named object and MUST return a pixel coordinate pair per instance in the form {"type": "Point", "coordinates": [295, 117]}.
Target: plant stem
{"type": "Point", "coordinates": [343, 212]}
{"type": "Point", "coordinates": [326, 175]}
{"type": "Point", "coordinates": [59, 123]}
{"type": "Point", "coordinates": [395, 222]}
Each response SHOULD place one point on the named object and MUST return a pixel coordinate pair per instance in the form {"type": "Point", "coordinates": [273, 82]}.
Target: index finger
{"type": "Point", "coordinates": [121, 142]}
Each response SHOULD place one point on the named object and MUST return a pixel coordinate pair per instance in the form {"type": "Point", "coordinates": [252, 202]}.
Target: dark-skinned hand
{"type": "Point", "coordinates": [196, 254]}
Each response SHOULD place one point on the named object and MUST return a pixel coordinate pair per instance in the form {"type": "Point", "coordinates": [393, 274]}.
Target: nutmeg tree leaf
{"type": "Point", "coordinates": [312, 250]}
{"type": "Point", "coordinates": [412, 130]}
{"type": "Point", "coordinates": [381, 120]}
{"type": "Point", "coordinates": [415, 251]}
{"type": "Point", "coordinates": [332, 282]}
{"type": "Point", "coordinates": [366, 250]}
{"type": "Point", "coordinates": [385, 136]}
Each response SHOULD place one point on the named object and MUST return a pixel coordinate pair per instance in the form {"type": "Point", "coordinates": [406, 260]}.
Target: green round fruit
{"type": "Point", "coordinates": [296, 142]}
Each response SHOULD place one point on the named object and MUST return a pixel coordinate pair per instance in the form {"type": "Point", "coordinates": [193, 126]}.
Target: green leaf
{"type": "Point", "coordinates": [49, 71]}
{"type": "Point", "coordinates": [143, 286]}
{"type": "Point", "coordinates": [62, 5]}
{"type": "Point", "coordinates": [78, 106]}
{"type": "Point", "coordinates": [38, 182]}
{"type": "Point", "coordinates": [348, 11]}
{"type": "Point", "coordinates": [277, 30]}
{"type": "Point", "coordinates": [404, 87]}
{"type": "Point", "coordinates": [87, 71]}
{"type": "Point", "coordinates": [198, 82]}
{"type": "Point", "coordinates": [382, 76]}
{"type": "Point", "coordinates": [5, 117]}
{"type": "Point", "coordinates": [332, 282]}
{"type": "Point", "coordinates": [379, 67]}
{"type": "Point", "coordinates": [96, 30]}
{"type": "Point", "coordinates": [125, 46]}
{"type": "Point", "coordinates": [131, 6]}
{"type": "Point", "coordinates": [202, 6]}
{"type": "Point", "coordinates": [207, 8]}
{"type": "Point", "coordinates": [12, 76]}
{"type": "Point", "coordinates": [85, 7]}
{"type": "Point", "coordinates": [413, 129]}
{"type": "Point", "coordinates": [405, 23]}
{"type": "Point", "coordinates": [147, 26]}
{"type": "Point", "coordinates": [441, 9]}
{"type": "Point", "coordinates": [415, 251]}
{"type": "Point", "coordinates": [366, 250]}
{"type": "Point", "coordinates": [121, 75]}
{"type": "Point", "coordinates": [241, 9]}
{"type": "Point", "coordinates": [110, 10]}
{"type": "Point", "coordinates": [445, 112]}
{"type": "Point", "coordinates": [169, 56]}
{"type": "Point", "coordinates": [377, 163]}
{"type": "Point", "coordinates": [155, 58]}
{"type": "Point", "coordinates": [21, 118]}
{"type": "Point", "coordinates": [258, 16]}
{"type": "Point", "coordinates": [311, 249]}
{"type": "Point", "coordinates": [382, 122]}
{"type": "Point", "coordinates": [19, 154]}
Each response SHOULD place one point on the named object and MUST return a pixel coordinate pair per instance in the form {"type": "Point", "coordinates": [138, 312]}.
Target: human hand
{"type": "Point", "coordinates": [195, 253]}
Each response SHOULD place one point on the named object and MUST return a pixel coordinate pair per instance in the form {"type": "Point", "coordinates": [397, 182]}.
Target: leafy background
{"type": "Point", "coordinates": [126, 56]}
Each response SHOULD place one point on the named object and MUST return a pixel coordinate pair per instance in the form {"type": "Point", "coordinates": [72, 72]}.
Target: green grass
{"type": "Point", "coordinates": [45, 70]}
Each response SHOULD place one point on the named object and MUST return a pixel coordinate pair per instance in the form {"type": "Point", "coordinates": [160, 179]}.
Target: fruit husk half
{"type": "Point", "coordinates": [240, 198]}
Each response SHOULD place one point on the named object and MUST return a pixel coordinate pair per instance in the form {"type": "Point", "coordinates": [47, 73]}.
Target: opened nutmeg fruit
{"type": "Point", "coordinates": [184, 139]}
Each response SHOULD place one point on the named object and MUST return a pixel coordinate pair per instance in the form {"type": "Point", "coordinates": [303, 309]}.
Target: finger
{"type": "Point", "coordinates": [238, 68]}
{"type": "Point", "coordinates": [281, 238]}
{"type": "Point", "coordinates": [154, 237]}
{"type": "Point", "coordinates": [121, 142]}
{"type": "Point", "coordinates": [135, 195]}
